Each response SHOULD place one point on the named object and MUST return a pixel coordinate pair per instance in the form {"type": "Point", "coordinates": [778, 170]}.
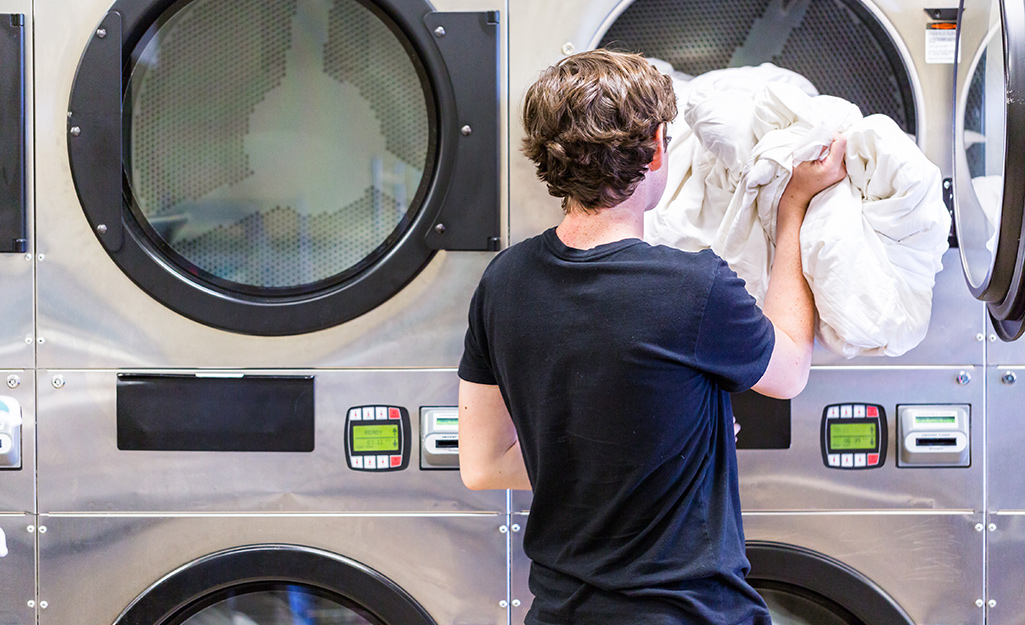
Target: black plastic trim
{"type": "Point", "coordinates": [176, 595]}
{"type": "Point", "coordinates": [821, 575]}
{"type": "Point", "coordinates": [459, 209]}
{"type": "Point", "coordinates": [13, 187]}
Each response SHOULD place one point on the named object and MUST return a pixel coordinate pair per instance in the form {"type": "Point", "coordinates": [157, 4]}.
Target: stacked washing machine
{"type": "Point", "coordinates": [894, 535]}
{"type": "Point", "coordinates": [17, 409]}
{"type": "Point", "coordinates": [258, 227]}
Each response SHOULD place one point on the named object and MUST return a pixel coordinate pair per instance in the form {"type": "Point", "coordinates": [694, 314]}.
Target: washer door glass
{"type": "Point", "coordinates": [787, 606]}
{"type": "Point", "coordinates": [275, 146]}
{"type": "Point", "coordinates": [280, 605]}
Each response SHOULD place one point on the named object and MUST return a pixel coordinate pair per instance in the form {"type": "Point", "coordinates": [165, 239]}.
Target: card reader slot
{"type": "Point", "coordinates": [442, 443]}
{"type": "Point", "coordinates": [936, 442]}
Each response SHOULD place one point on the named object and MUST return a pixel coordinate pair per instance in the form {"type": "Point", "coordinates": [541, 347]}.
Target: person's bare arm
{"type": "Point", "coordinates": [489, 451]}
{"type": "Point", "coordinates": [788, 300]}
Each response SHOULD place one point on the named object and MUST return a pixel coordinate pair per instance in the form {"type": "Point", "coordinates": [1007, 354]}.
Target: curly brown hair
{"type": "Point", "coordinates": [590, 124]}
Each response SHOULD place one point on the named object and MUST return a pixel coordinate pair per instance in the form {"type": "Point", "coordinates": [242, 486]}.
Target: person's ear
{"type": "Point", "coordinates": [660, 148]}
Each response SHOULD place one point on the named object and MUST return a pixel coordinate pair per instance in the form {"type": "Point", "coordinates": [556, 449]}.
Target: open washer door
{"type": "Point", "coordinates": [989, 163]}
{"type": "Point", "coordinates": [274, 585]}
{"type": "Point", "coordinates": [275, 167]}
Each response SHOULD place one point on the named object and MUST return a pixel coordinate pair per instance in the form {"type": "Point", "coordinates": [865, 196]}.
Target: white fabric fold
{"type": "Point", "coordinates": [871, 245]}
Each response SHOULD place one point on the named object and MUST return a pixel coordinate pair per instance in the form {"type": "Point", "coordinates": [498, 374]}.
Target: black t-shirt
{"type": "Point", "coordinates": [616, 363]}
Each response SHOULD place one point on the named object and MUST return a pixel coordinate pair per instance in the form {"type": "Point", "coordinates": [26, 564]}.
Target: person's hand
{"type": "Point", "coordinates": [811, 177]}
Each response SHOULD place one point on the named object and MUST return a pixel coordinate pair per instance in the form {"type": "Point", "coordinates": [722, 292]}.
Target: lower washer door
{"type": "Point", "coordinates": [803, 587]}
{"type": "Point", "coordinates": [274, 585]}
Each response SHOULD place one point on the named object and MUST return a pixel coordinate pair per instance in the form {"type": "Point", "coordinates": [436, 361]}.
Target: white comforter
{"type": "Point", "coordinates": [871, 245]}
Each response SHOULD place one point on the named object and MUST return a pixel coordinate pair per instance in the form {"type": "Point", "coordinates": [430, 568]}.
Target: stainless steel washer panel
{"type": "Point", "coordinates": [17, 271]}
{"type": "Point", "coordinates": [797, 479]}
{"type": "Point", "coordinates": [90, 315]}
{"type": "Point", "coordinates": [92, 567]}
{"type": "Point", "coordinates": [18, 486]}
{"type": "Point", "coordinates": [931, 565]}
{"type": "Point", "coordinates": [1005, 408]}
{"type": "Point", "coordinates": [1005, 602]}
{"type": "Point", "coordinates": [82, 470]}
{"type": "Point", "coordinates": [18, 570]}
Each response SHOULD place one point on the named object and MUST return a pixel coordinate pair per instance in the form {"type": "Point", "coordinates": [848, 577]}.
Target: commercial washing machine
{"type": "Point", "coordinates": [887, 535]}
{"type": "Point", "coordinates": [259, 183]}
{"type": "Point", "coordinates": [162, 500]}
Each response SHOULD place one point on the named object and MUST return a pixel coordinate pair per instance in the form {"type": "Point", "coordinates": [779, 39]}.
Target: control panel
{"type": "Point", "coordinates": [934, 436]}
{"type": "Point", "coordinates": [377, 438]}
{"type": "Point", "coordinates": [10, 433]}
{"type": "Point", "coordinates": [853, 436]}
{"type": "Point", "coordinates": [439, 437]}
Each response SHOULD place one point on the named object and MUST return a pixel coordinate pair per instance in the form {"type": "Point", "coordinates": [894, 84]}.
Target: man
{"type": "Point", "coordinates": [597, 367]}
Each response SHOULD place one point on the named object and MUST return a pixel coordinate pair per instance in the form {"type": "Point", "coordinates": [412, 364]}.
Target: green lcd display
{"type": "Point", "coordinates": [447, 421]}
{"type": "Point", "coordinates": [852, 436]}
{"type": "Point", "coordinates": [376, 438]}
{"type": "Point", "coordinates": [946, 419]}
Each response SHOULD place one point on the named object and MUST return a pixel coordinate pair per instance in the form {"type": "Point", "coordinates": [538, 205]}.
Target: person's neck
{"type": "Point", "coordinates": [586, 230]}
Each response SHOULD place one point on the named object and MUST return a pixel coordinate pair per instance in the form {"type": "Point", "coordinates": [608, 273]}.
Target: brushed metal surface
{"type": "Point", "coordinates": [1005, 411]}
{"type": "Point", "coordinates": [796, 478]}
{"type": "Point", "coordinates": [18, 570]}
{"type": "Point", "coordinates": [1005, 555]}
{"type": "Point", "coordinates": [92, 316]}
{"type": "Point", "coordinates": [17, 271]}
{"type": "Point", "coordinates": [92, 567]}
{"type": "Point", "coordinates": [18, 486]}
{"type": "Point", "coordinates": [82, 470]}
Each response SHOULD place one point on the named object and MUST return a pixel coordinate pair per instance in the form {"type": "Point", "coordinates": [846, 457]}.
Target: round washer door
{"type": "Point", "coordinates": [843, 47]}
{"type": "Point", "coordinates": [274, 585]}
{"type": "Point", "coordinates": [803, 587]}
{"type": "Point", "coordinates": [275, 167]}
{"type": "Point", "coordinates": [989, 164]}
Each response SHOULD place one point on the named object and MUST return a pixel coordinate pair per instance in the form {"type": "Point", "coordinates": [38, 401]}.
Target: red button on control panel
{"type": "Point", "coordinates": [393, 413]}
{"type": "Point", "coordinates": [396, 461]}
{"type": "Point", "coordinates": [871, 411]}
{"type": "Point", "coordinates": [873, 459]}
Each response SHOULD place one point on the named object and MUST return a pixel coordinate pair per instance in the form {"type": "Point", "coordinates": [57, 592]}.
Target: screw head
{"type": "Point", "coordinates": [979, 527]}
{"type": "Point", "coordinates": [440, 228]}
{"type": "Point", "coordinates": [28, 340]}
{"type": "Point", "coordinates": [75, 131]}
{"type": "Point", "coordinates": [515, 528]}
{"type": "Point", "coordinates": [31, 603]}
{"type": "Point", "coordinates": [13, 381]}
{"type": "Point", "coordinates": [964, 377]}
{"type": "Point", "coordinates": [41, 340]}
{"type": "Point", "coordinates": [31, 529]}
{"type": "Point", "coordinates": [43, 605]}
{"type": "Point", "coordinates": [466, 130]}
{"type": "Point", "coordinates": [979, 603]}
{"type": "Point", "coordinates": [992, 603]}
{"type": "Point", "coordinates": [568, 48]}
{"type": "Point", "coordinates": [101, 32]}
{"type": "Point", "coordinates": [992, 527]}
{"type": "Point", "coordinates": [28, 257]}
{"type": "Point", "coordinates": [503, 604]}
{"type": "Point", "coordinates": [516, 603]}
{"type": "Point", "coordinates": [101, 229]}
{"type": "Point", "coordinates": [42, 529]}
{"type": "Point", "coordinates": [503, 529]}
{"type": "Point", "coordinates": [439, 31]}
{"type": "Point", "coordinates": [58, 382]}
{"type": "Point", "coordinates": [1008, 378]}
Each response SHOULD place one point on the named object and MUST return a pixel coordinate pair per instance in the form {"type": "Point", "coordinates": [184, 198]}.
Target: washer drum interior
{"type": "Point", "coordinates": [839, 45]}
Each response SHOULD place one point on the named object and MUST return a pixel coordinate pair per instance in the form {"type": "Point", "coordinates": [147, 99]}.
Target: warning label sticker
{"type": "Point", "coordinates": [940, 42]}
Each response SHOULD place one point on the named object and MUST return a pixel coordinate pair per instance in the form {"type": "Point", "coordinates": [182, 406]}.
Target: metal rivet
{"type": "Point", "coordinates": [439, 31]}
{"type": "Point", "coordinates": [568, 48]}
{"type": "Point", "coordinates": [963, 377]}
{"type": "Point", "coordinates": [440, 228]}
{"type": "Point", "coordinates": [503, 529]}
{"type": "Point", "coordinates": [946, 184]}
{"type": "Point", "coordinates": [41, 340]}
{"type": "Point", "coordinates": [28, 340]}
{"type": "Point", "coordinates": [979, 527]}
{"type": "Point", "coordinates": [58, 382]}
{"type": "Point", "coordinates": [31, 603]}
{"type": "Point", "coordinates": [515, 528]}
{"type": "Point", "coordinates": [466, 130]}
{"type": "Point", "coordinates": [980, 337]}
{"type": "Point", "coordinates": [31, 529]}
{"type": "Point", "coordinates": [516, 603]}
{"type": "Point", "coordinates": [101, 32]}
{"type": "Point", "coordinates": [992, 603]}
{"type": "Point", "coordinates": [992, 338]}
{"type": "Point", "coordinates": [43, 605]}
{"type": "Point", "coordinates": [503, 604]}
{"type": "Point", "coordinates": [1008, 378]}
{"type": "Point", "coordinates": [42, 529]}
{"type": "Point", "coordinates": [41, 257]}
{"type": "Point", "coordinates": [979, 603]}
{"type": "Point", "coordinates": [13, 381]}
{"type": "Point", "coordinates": [28, 257]}
{"type": "Point", "coordinates": [75, 131]}
{"type": "Point", "coordinates": [102, 228]}
{"type": "Point", "coordinates": [992, 527]}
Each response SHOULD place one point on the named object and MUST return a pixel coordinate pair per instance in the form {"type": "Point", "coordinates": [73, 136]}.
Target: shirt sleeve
{"type": "Point", "coordinates": [475, 365]}
{"type": "Point", "coordinates": [735, 339]}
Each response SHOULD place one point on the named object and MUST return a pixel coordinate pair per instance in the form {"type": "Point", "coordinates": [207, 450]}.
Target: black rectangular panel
{"type": "Point", "coordinates": [764, 421]}
{"type": "Point", "coordinates": [13, 198]}
{"type": "Point", "coordinates": [190, 413]}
